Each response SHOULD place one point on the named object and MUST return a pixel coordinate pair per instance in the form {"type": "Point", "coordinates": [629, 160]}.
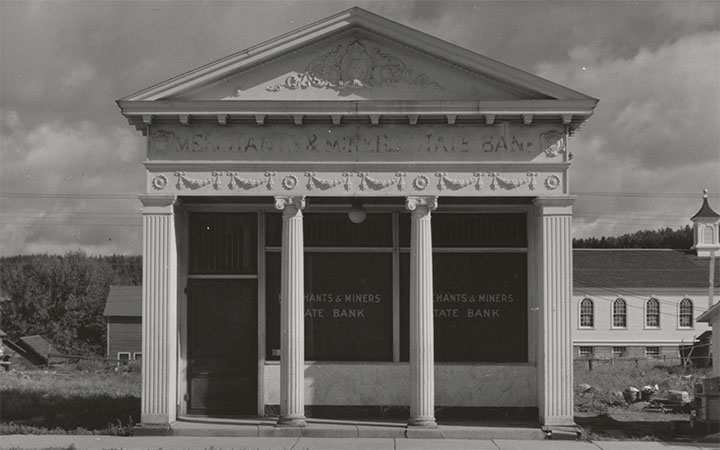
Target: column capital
{"type": "Point", "coordinates": [297, 202]}
{"type": "Point", "coordinates": [429, 202]}
{"type": "Point", "coordinates": [556, 205]}
{"type": "Point", "coordinates": [159, 204]}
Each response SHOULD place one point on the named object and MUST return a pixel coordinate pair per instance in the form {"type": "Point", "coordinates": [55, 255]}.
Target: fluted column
{"type": "Point", "coordinates": [159, 312]}
{"type": "Point", "coordinates": [292, 304]}
{"type": "Point", "coordinates": [554, 265]}
{"type": "Point", "coordinates": [422, 355]}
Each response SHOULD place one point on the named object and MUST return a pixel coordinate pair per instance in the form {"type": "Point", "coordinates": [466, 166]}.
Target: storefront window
{"type": "Point", "coordinates": [480, 287]}
{"type": "Point", "coordinates": [480, 296]}
{"type": "Point", "coordinates": [348, 289]}
{"type": "Point", "coordinates": [480, 307]}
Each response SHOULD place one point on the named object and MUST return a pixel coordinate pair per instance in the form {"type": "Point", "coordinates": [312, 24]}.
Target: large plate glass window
{"type": "Point", "coordinates": [348, 287]}
{"type": "Point", "coordinates": [480, 287]}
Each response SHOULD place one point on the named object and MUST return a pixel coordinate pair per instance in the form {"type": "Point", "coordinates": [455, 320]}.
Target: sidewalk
{"type": "Point", "coordinates": [308, 443]}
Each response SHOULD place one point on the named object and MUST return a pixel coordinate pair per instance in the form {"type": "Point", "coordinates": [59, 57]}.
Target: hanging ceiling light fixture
{"type": "Point", "coordinates": [357, 213]}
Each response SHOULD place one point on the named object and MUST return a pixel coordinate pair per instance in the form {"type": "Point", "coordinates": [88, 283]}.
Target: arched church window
{"type": "Point", "coordinates": [652, 313]}
{"type": "Point", "coordinates": [587, 313]}
{"type": "Point", "coordinates": [685, 313]}
{"type": "Point", "coordinates": [619, 313]}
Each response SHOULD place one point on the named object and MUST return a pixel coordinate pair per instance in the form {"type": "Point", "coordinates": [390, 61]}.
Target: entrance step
{"type": "Point", "coordinates": [325, 428]}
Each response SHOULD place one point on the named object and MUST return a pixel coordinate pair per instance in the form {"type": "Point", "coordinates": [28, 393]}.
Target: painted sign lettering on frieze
{"type": "Point", "coordinates": [277, 143]}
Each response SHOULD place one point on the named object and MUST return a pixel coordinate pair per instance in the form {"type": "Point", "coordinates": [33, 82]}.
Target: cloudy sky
{"type": "Point", "coordinates": [70, 166]}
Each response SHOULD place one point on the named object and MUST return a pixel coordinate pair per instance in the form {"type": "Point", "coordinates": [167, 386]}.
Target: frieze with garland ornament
{"type": "Point", "coordinates": [367, 182]}
{"type": "Point", "coordinates": [454, 184]}
{"type": "Point", "coordinates": [509, 183]}
{"type": "Point", "coordinates": [370, 183]}
{"type": "Point", "coordinates": [184, 182]}
{"type": "Point", "coordinates": [237, 182]}
{"type": "Point", "coordinates": [353, 66]}
{"type": "Point", "coordinates": [325, 183]}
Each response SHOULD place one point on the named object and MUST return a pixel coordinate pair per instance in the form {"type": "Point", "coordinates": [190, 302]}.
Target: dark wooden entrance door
{"type": "Point", "coordinates": [222, 314]}
{"type": "Point", "coordinates": [222, 346]}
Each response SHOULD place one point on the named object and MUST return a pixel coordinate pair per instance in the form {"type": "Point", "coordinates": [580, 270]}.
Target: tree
{"type": "Point", "coordinates": [680, 239]}
{"type": "Point", "coordinates": [62, 297]}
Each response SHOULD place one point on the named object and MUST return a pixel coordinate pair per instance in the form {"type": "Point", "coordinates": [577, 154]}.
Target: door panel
{"type": "Point", "coordinates": [222, 346]}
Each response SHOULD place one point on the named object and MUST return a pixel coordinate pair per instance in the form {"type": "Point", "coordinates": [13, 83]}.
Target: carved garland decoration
{"type": "Point", "coordinates": [236, 182]}
{"type": "Point", "coordinates": [325, 184]}
{"type": "Point", "coordinates": [455, 184]}
{"type": "Point", "coordinates": [184, 182]}
{"type": "Point", "coordinates": [369, 183]}
{"type": "Point", "coordinates": [366, 183]}
{"type": "Point", "coordinates": [507, 183]}
{"type": "Point", "coordinates": [352, 67]}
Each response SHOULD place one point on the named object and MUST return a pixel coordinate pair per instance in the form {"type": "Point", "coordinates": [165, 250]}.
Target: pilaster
{"type": "Point", "coordinates": [159, 311]}
{"type": "Point", "coordinates": [292, 326]}
{"type": "Point", "coordinates": [554, 265]}
{"type": "Point", "coordinates": [422, 357]}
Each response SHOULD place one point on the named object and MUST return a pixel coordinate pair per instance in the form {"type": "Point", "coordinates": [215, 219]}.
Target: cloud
{"type": "Point", "coordinates": [657, 109]}
{"type": "Point", "coordinates": [72, 164]}
{"type": "Point", "coordinates": [655, 131]}
{"type": "Point", "coordinates": [653, 65]}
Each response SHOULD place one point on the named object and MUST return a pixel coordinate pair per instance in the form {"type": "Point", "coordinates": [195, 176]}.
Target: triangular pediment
{"type": "Point", "coordinates": [356, 55]}
{"type": "Point", "coordinates": [357, 65]}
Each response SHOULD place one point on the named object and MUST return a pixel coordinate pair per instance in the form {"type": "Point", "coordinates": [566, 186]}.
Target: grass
{"type": "Point", "coordinates": [69, 401]}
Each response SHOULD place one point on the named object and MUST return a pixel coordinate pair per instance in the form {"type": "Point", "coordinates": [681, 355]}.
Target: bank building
{"type": "Point", "coordinates": [356, 216]}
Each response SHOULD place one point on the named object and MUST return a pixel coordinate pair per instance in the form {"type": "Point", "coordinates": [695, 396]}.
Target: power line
{"type": "Point", "coordinates": [59, 224]}
{"type": "Point", "coordinates": [641, 194]}
{"type": "Point", "coordinates": [70, 196]}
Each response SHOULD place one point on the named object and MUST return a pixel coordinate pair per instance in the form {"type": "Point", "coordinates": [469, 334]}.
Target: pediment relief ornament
{"type": "Point", "coordinates": [354, 67]}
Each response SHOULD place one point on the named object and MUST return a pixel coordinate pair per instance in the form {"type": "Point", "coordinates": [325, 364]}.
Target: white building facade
{"type": "Point", "coordinates": [356, 215]}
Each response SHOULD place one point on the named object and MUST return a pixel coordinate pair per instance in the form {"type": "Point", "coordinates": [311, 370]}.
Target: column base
{"type": "Point", "coordinates": [291, 422]}
{"type": "Point", "coordinates": [422, 422]}
{"type": "Point", "coordinates": [562, 433]}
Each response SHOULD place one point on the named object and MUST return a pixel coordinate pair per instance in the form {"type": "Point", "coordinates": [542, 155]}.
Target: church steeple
{"type": "Point", "coordinates": [706, 223]}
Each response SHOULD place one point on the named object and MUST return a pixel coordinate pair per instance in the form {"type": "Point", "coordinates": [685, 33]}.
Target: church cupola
{"type": "Point", "coordinates": [705, 229]}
